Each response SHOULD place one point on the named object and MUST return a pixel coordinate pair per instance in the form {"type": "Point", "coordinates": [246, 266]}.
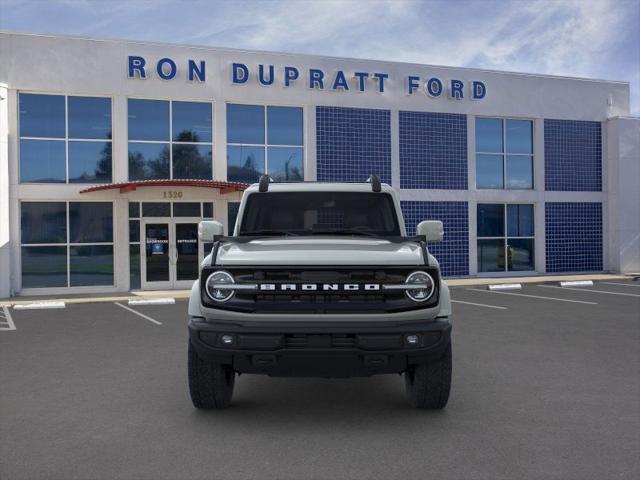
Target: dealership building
{"type": "Point", "coordinates": [112, 151]}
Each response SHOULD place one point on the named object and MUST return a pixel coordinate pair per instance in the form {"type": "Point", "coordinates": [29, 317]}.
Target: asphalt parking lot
{"type": "Point", "coordinates": [546, 384]}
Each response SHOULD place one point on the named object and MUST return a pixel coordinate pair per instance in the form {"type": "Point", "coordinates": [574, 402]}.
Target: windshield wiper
{"type": "Point", "coordinates": [267, 231]}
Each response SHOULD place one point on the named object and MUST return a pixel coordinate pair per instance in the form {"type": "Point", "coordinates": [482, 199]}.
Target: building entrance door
{"type": "Point", "coordinates": [171, 255]}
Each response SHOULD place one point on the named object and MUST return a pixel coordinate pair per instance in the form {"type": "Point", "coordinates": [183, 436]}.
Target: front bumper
{"type": "Point", "coordinates": [304, 349]}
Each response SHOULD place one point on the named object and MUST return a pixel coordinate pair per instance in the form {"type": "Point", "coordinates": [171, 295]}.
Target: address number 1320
{"type": "Point", "coordinates": [172, 194]}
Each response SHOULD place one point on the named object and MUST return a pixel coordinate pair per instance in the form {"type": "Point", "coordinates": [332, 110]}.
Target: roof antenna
{"type": "Point", "coordinates": [264, 183]}
{"type": "Point", "coordinates": [374, 180]}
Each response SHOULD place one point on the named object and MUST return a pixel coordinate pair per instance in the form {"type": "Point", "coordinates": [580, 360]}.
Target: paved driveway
{"type": "Point", "coordinates": [546, 385]}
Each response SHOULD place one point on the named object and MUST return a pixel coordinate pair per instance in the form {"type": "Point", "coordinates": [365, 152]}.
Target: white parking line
{"type": "Point", "coordinates": [152, 301]}
{"type": "Point", "coordinates": [39, 305]}
{"type": "Point", "coordinates": [535, 296]}
{"type": "Point", "coordinates": [8, 320]}
{"type": "Point", "coordinates": [591, 290]}
{"type": "Point", "coordinates": [623, 284]}
{"type": "Point", "coordinates": [479, 304]}
{"type": "Point", "coordinates": [138, 313]}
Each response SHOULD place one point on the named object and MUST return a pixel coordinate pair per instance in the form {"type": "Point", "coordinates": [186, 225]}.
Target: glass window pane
{"type": "Point", "coordinates": [519, 136]}
{"type": "Point", "coordinates": [187, 249]}
{"type": "Point", "coordinates": [191, 121]}
{"type": "Point", "coordinates": [490, 220]}
{"type": "Point", "coordinates": [491, 256]}
{"type": "Point", "coordinates": [43, 222]}
{"type": "Point", "coordinates": [285, 164]}
{"type": "Point", "coordinates": [207, 210]}
{"type": "Point", "coordinates": [192, 161]}
{"type": "Point", "coordinates": [41, 115]}
{"type": "Point", "coordinates": [284, 126]}
{"type": "Point", "coordinates": [521, 254]}
{"type": "Point", "coordinates": [245, 124]}
{"type": "Point", "coordinates": [186, 209]}
{"type": "Point", "coordinates": [134, 230]}
{"type": "Point", "coordinates": [89, 117]}
{"type": "Point", "coordinates": [44, 267]}
{"type": "Point", "coordinates": [244, 164]}
{"type": "Point", "coordinates": [489, 135]}
{"type": "Point", "coordinates": [519, 172]}
{"type": "Point", "coordinates": [90, 222]}
{"type": "Point", "coordinates": [134, 210]}
{"type": "Point", "coordinates": [89, 162]}
{"type": "Point", "coordinates": [156, 209]}
{"type": "Point", "coordinates": [148, 161]}
{"type": "Point", "coordinates": [42, 161]}
{"type": "Point", "coordinates": [148, 120]}
{"type": "Point", "coordinates": [489, 171]}
{"type": "Point", "coordinates": [520, 220]}
{"type": "Point", "coordinates": [134, 267]}
{"type": "Point", "coordinates": [232, 213]}
{"type": "Point", "coordinates": [91, 265]}
{"type": "Point", "coordinates": [157, 252]}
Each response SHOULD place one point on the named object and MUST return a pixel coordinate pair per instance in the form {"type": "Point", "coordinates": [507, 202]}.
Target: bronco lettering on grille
{"type": "Point", "coordinates": [314, 287]}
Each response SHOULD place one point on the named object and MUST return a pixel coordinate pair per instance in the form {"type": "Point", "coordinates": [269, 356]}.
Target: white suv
{"type": "Point", "coordinates": [320, 279]}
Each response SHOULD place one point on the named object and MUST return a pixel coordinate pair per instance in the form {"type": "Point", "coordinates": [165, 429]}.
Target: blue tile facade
{"type": "Point", "coordinates": [353, 143]}
{"type": "Point", "coordinates": [573, 155]}
{"type": "Point", "coordinates": [453, 251]}
{"type": "Point", "coordinates": [433, 150]}
{"type": "Point", "coordinates": [573, 236]}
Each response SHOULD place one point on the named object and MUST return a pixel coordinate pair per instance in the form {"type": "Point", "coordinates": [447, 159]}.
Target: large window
{"type": "Point", "coordinates": [504, 153]}
{"type": "Point", "coordinates": [66, 244]}
{"type": "Point", "coordinates": [264, 139]}
{"type": "Point", "coordinates": [65, 139]}
{"type": "Point", "coordinates": [505, 237]}
{"type": "Point", "coordinates": [170, 140]}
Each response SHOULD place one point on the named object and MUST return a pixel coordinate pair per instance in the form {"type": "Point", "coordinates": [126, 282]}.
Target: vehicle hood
{"type": "Point", "coordinates": [324, 251]}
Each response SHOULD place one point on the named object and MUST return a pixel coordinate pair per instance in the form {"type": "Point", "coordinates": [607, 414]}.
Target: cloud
{"type": "Point", "coordinates": [589, 38]}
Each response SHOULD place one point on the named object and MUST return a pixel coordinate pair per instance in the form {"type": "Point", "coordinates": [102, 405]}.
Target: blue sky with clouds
{"type": "Point", "coordinates": [583, 38]}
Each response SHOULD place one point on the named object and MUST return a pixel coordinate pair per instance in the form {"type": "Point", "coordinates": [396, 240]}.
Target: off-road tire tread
{"type": "Point", "coordinates": [210, 384]}
{"type": "Point", "coordinates": [428, 384]}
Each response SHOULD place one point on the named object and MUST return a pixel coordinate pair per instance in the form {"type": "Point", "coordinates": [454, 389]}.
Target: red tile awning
{"type": "Point", "coordinates": [223, 187]}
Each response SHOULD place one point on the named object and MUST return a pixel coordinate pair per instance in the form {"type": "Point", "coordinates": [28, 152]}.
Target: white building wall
{"type": "Point", "coordinates": [623, 209]}
{"type": "Point", "coordinates": [5, 245]}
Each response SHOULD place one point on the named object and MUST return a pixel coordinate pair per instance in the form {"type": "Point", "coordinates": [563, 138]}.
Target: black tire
{"type": "Point", "coordinates": [428, 384]}
{"type": "Point", "coordinates": [210, 383]}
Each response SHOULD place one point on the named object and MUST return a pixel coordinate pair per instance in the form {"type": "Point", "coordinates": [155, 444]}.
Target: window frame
{"type": "Point", "coordinates": [67, 244]}
{"type": "Point", "coordinates": [66, 139]}
{"type": "Point", "coordinates": [504, 154]}
{"type": "Point", "coordinates": [140, 217]}
{"type": "Point", "coordinates": [505, 238]}
{"type": "Point", "coordinates": [266, 145]}
{"type": "Point", "coordinates": [170, 142]}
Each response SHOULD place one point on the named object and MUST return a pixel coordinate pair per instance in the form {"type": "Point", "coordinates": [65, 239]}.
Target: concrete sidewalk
{"type": "Point", "coordinates": [183, 294]}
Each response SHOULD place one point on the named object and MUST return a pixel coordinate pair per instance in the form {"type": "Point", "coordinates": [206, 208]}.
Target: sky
{"type": "Point", "coordinates": [579, 38]}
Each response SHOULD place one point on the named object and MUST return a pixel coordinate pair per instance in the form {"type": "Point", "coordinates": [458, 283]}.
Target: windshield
{"type": "Point", "coordinates": [318, 213]}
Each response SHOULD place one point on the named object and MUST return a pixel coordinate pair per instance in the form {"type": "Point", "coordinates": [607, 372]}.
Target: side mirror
{"type": "Point", "coordinates": [432, 230]}
{"type": "Point", "coordinates": [209, 229]}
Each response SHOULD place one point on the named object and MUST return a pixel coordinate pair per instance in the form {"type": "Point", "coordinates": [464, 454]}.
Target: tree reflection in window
{"type": "Point", "coordinates": [147, 161]}
{"type": "Point", "coordinates": [191, 161]}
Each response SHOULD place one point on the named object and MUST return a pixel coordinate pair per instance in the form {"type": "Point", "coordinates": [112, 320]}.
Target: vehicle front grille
{"type": "Point", "coordinates": [320, 341]}
{"type": "Point", "coordinates": [283, 301]}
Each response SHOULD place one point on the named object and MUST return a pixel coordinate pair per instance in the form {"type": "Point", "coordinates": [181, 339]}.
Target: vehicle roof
{"type": "Point", "coordinates": [319, 187]}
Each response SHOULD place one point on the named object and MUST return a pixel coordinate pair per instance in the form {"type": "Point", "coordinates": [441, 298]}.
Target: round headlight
{"type": "Point", "coordinates": [215, 286]}
{"type": "Point", "coordinates": [426, 286]}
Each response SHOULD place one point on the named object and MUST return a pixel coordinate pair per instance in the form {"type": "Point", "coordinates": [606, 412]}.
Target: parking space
{"type": "Point", "coordinates": [546, 385]}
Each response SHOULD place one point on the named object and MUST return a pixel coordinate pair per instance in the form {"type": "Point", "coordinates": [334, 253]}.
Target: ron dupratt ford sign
{"type": "Point", "coordinates": [313, 78]}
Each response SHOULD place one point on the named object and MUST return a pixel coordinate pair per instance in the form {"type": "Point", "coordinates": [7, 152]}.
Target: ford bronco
{"type": "Point", "coordinates": [320, 280]}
